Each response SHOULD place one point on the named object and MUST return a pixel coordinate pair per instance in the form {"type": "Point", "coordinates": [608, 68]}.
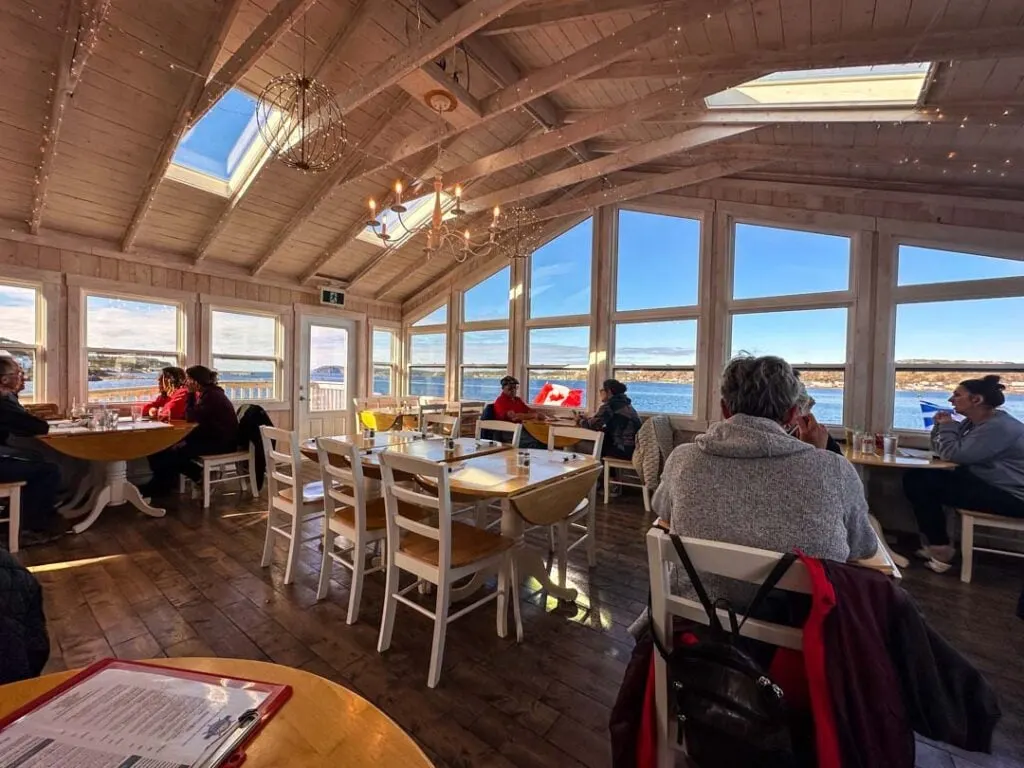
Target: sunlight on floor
{"type": "Point", "coordinates": [67, 564]}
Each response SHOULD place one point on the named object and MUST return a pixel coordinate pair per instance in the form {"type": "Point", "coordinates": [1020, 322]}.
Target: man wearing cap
{"type": "Point", "coordinates": [510, 407]}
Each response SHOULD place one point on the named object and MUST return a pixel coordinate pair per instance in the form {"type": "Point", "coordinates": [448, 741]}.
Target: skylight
{"type": "Point", "coordinates": [419, 212]}
{"type": "Point", "coordinates": [217, 149]}
{"type": "Point", "coordinates": [877, 85]}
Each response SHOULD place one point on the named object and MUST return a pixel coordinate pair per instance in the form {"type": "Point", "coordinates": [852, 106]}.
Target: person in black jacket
{"type": "Point", "coordinates": [617, 418]}
{"type": "Point", "coordinates": [24, 643]}
{"type": "Point", "coordinates": [39, 519]}
{"type": "Point", "coordinates": [216, 431]}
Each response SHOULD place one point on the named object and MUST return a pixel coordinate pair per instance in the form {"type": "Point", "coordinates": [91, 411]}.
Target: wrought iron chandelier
{"type": "Point", "coordinates": [300, 121]}
{"type": "Point", "coordinates": [513, 232]}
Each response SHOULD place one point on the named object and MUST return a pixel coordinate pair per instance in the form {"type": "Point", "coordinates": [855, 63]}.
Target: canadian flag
{"type": "Point", "coordinates": [557, 394]}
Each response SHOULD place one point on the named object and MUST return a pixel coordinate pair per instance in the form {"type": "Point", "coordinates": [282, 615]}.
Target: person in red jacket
{"type": "Point", "coordinates": [216, 431]}
{"type": "Point", "coordinates": [169, 405]}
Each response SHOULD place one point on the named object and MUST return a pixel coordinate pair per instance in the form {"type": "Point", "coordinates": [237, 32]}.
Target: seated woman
{"type": "Point", "coordinates": [989, 447]}
{"type": "Point", "coordinates": [169, 405]}
{"type": "Point", "coordinates": [216, 431]}
{"type": "Point", "coordinates": [617, 418]}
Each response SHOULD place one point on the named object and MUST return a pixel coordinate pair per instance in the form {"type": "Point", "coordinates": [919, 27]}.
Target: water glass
{"type": "Point", "coordinates": [890, 443]}
{"type": "Point", "coordinates": [867, 443]}
{"type": "Point", "coordinates": [136, 414]}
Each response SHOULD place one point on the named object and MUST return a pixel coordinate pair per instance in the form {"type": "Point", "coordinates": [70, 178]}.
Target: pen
{"type": "Point", "coordinates": [248, 721]}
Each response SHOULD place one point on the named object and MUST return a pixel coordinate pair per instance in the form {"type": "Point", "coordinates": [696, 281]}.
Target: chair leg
{"type": "Point", "coordinates": [294, 545]}
{"type": "Point", "coordinates": [387, 619]}
{"type": "Point", "coordinates": [254, 487]}
{"type": "Point", "coordinates": [268, 542]}
{"type": "Point", "coordinates": [440, 630]}
{"type": "Point", "coordinates": [966, 548]}
{"type": "Point", "coordinates": [478, 514]}
{"type": "Point", "coordinates": [355, 594]}
{"type": "Point", "coordinates": [182, 483]}
{"type": "Point", "coordinates": [207, 470]}
{"type": "Point", "coordinates": [607, 480]}
{"type": "Point", "coordinates": [14, 524]}
{"type": "Point", "coordinates": [242, 481]}
{"type": "Point", "coordinates": [326, 562]}
{"type": "Point", "coordinates": [513, 592]}
{"type": "Point", "coordinates": [647, 498]}
{"type": "Point", "coordinates": [563, 552]}
{"type": "Point", "coordinates": [592, 534]}
{"type": "Point", "coordinates": [502, 600]}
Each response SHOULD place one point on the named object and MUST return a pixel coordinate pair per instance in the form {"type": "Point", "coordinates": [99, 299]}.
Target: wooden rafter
{"type": "Point", "coordinates": [339, 174]}
{"type": "Point", "coordinates": [642, 153]}
{"type": "Point", "coordinates": [341, 38]}
{"type": "Point", "coordinates": [80, 34]}
{"type": "Point", "coordinates": [621, 193]}
{"type": "Point", "coordinates": [902, 48]}
{"type": "Point", "coordinates": [214, 41]}
{"type": "Point", "coordinates": [453, 28]}
{"type": "Point", "coordinates": [274, 25]}
{"type": "Point", "coordinates": [578, 10]}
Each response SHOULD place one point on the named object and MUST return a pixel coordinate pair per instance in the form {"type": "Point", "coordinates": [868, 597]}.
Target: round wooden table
{"type": "Point", "coordinates": [322, 724]}
{"type": "Point", "coordinates": [539, 430]}
{"type": "Point", "coordinates": [114, 448]}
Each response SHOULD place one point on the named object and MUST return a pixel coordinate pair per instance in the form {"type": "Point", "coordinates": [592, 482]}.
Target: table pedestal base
{"type": "Point", "coordinates": [116, 490]}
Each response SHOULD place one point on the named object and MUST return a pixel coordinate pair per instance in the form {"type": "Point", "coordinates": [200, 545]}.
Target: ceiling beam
{"type": "Point", "coordinates": [905, 47]}
{"type": "Point", "coordinates": [220, 25]}
{"type": "Point", "coordinates": [80, 34]}
{"type": "Point", "coordinates": [697, 174]}
{"type": "Point", "coordinates": [341, 38]}
{"type": "Point", "coordinates": [340, 173]}
{"type": "Point", "coordinates": [579, 10]}
{"type": "Point", "coordinates": [637, 155]}
{"type": "Point", "coordinates": [435, 41]}
{"type": "Point", "coordinates": [274, 25]}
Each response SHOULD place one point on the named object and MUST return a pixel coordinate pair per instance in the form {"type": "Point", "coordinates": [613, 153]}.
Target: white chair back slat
{"type": "Point", "coordinates": [342, 484]}
{"type": "Point", "coordinates": [448, 425]}
{"type": "Point", "coordinates": [579, 435]}
{"type": "Point", "coordinates": [437, 526]}
{"type": "Point", "coordinates": [504, 427]}
{"type": "Point", "coordinates": [281, 449]}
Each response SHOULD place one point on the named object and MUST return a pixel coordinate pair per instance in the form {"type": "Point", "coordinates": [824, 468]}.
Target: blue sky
{"type": "Point", "coordinates": [216, 144]}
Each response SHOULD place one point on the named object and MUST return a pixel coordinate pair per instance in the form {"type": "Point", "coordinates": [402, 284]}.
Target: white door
{"type": "Point", "coordinates": [327, 375]}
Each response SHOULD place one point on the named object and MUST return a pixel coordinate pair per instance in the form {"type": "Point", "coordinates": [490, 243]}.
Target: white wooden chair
{"type": "Point", "coordinates": [286, 495]}
{"type": "Point", "coordinates": [437, 550]}
{"type": "Point", "coordinates": [504, 427]}
{"type": "Point", "coordinates": [969, 520]}
{"type": "Point", "coordinates": [236, 467]}
{"type": "Point", "coordinates": [612, 463]}
{"type": "Point", "coordinates": [365, 403]}
{"type": "Point", "coordinates": [347, 513]}
{"type": "Point", "coordinates": [12, 492]}
{"type": "Point", "coordinates": [446, 425]}
{"type": "Point", "coordinates": [584, 509]}
{"type": "Point", "coordinates": [409, 401]}
{"type": "Point", "coordinates": [730, 560]}
{"type": "Point", "coordinates": [387, 402]}
{"type": "Point", "coordinates": [430, 409]}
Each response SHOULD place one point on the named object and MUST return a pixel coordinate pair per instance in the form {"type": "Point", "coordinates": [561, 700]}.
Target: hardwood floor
{"type": "Point", "coordinates": [190, 584]}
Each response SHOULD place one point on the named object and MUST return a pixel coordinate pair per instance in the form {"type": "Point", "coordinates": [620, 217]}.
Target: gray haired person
{"type": "Point", "coordinates": [748, 481]}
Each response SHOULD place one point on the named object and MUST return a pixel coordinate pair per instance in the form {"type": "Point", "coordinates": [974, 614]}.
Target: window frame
{"type": "Point", "coordinates": [283, 331]}
{"type": "Point", "coordinates": [891, 296]}
{"type": "Point", "coordinates": [440, 328]}
{"type": "Point", "coordinates": [465, 326]}
{"type": "Point", "coordinates": [858, 229]}
{"type": "Point", "coordinates": [617, 317]}
{"type": "Point", "coordinates": [45, 377]}
{"type": "Point", "coordinates": [585, 369]}
{"type": "Point", "coordinates": [395, 365]}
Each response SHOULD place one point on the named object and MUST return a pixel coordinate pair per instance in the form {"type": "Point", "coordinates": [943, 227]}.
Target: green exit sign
{"type": "Point", "coordinates": [334, 298]}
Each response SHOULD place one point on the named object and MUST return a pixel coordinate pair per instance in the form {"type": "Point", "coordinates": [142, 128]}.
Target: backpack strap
{"type": "Point", "coordinates": [769, 584]}
{"type": "Point", "coordinates": [695, 581]}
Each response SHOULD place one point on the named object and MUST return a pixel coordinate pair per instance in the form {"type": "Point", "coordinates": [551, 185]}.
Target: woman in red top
{"type": "Point", "coordinates": [170, 404]}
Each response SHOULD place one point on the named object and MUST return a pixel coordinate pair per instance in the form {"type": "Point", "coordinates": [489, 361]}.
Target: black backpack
{"type": "Point", "coordinates": [731, 712]}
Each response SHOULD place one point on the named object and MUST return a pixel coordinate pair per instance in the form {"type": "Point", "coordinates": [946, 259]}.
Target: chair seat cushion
{"type": "Point", "coordinates": [469, 544]}
{"type": "Point", "coordinates": [311, 493]}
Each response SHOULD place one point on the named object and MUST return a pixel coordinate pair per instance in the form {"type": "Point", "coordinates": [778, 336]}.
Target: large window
{"type": "Point", "coordinates": [811, 333]}
{"type": "Point", "coordinates": [941, 339]}
{"type": "Point", "coordinates": [485, 337]}
{"type": "Point", "coordinates": [20, 333]}
{"type": "Point", "coordinates": [127, 343]}
{"type": "Point", "coordinates": [428, 354]}
{"type": "Point", "coordinates": [557, 365]}
{"type": "Point", "coordinates": [560, 274]}
{"type": "Point", "coordinates": [657, 279]}
{"type": "Point", "coordinates": [247, 354]}
{"type": "Point", "coordinates": [383, 361]}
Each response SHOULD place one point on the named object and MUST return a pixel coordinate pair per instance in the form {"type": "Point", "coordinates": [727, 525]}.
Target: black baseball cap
{"type": "Point", "coordinates": [509, 380]}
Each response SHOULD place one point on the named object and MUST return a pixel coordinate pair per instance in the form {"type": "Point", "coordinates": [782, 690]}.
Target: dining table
{"type": "Point", "coordinates": [384, 419]}
{"type": "Point", "coordinates": [903, 458]}
{"type": "Point", "coordinates": [540, 430]}
{"type": "Point", "coordinates": [110, 449]}
{"type": "Point", "coordinates": [322, 723]}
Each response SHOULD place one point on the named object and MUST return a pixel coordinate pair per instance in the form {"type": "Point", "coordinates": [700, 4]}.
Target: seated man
{"type": "Point", "coordinates": [40, 522]}
{"type": "Point", "coordinates": [746, 481]}
{"type": "Point", "coordinates": [508, 406]}
{"type": "Point", "coordinates": [216, 431]}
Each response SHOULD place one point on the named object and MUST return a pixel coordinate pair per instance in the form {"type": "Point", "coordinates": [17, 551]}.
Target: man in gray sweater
{"type": "Point", "coordinates": [747, 481]}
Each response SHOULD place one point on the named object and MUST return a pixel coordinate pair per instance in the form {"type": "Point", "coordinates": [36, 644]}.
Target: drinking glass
{"type": "Point", "coordinates": [136, 414]}
{"type": "Point", "coordinates": [890, 443]}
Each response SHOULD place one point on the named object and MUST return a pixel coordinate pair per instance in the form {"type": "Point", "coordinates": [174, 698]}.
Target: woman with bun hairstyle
{"type": "Point", "coordinates": [988, 445]}
{"type": "Point", "coordinates": [617, 418]}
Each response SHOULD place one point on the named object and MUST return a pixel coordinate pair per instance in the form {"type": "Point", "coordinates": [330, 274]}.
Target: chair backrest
{"type": "Point", "coordinates": [387, 402]}
{"type": "Point", "coordinates": [341, 469]}
{"type": "Point", "coordinates": [579, 435]}
{"type": "Point", "coordinates": [398, 499]}
{"type": "Point", "coordinates": [44, 410]}
{"type": "Point", "coordinates": [281, 450]}
{"type": "Point", "coordinates": [730, 560]}
{"type": "Point", "coordinates": [548, 504]}
{"type": "Point", "coordinates": [467, 407]}
{"type": "Point", "coordinates": [409, 401]}
{"type": "Point", "coordinates": [493, 426]}
{"type": "Point", "coordinates": [443, 421]}
{"type": "Point", "coordinates": [365, 403]}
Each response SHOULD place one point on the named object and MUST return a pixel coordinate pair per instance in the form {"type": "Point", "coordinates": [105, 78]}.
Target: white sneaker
{"type": "Point", "coordinates": [940, 558]}
{"type": "Point", "coordinates": [937, 565]}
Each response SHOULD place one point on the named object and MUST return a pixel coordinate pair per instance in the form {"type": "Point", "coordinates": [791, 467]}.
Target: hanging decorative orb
{"type": "Point", "coordinates": [301, 122]}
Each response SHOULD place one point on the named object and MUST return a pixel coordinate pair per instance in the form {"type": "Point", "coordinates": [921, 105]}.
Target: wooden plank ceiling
{"type": "Point", "coordinates": [563, 103]}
